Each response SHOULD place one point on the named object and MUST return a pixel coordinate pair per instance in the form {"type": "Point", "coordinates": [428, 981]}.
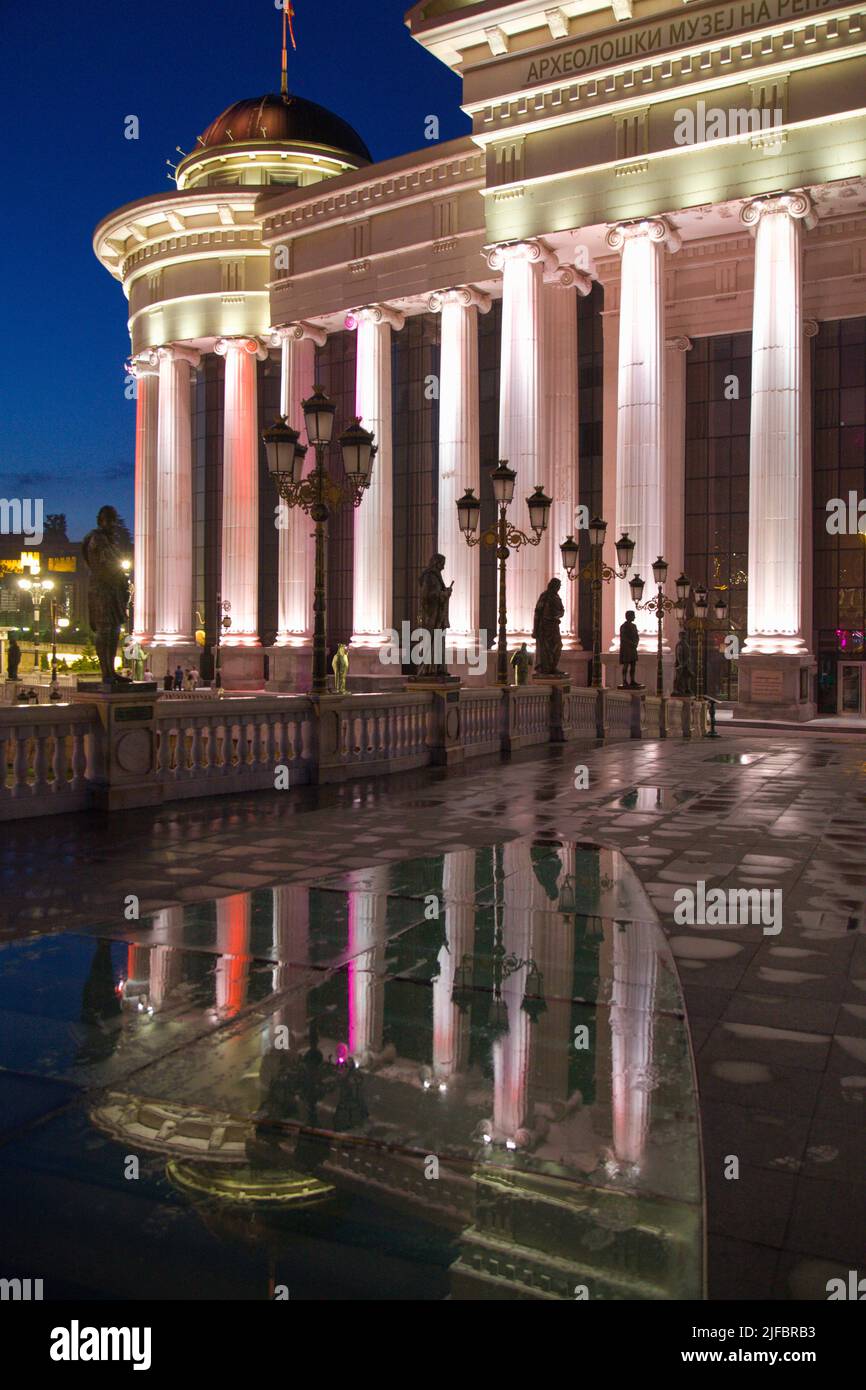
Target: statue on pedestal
{"type": "Point", "coordinates": [684, 676]}
{"type": "Point", "coordinates": [13, 659]}
{"type": "Point", "coordinates": [107, 591]}
{"type": "Point", "coordinates": [433, 618]}
{"type": "Point", "coordinates": [629, 638]}
{"type": "Point", "coordinates": [521, 661]}
{"type": "Point", "coordinates": [340, 667]}
{"type": "Point", "coordinates": [549, 611]}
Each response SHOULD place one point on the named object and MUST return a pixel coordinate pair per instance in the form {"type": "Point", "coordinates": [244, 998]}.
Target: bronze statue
{"type": "Point", "coordinates": [521, 661]}
{"type": "Point", "coordinates": [684, 676]}
{"type": "Point", "coordinates": [433, 617]}
{"type": "Point", "coordinates": [13, 659]}
{"type": "Point", "coordinates": [545, 629]}
{"type": "Point", "coordinates": [629, 637]}
{"type": "Point", "coordinates": [107, 591]}
{"type": "Point", "coordinates": [340, 667]}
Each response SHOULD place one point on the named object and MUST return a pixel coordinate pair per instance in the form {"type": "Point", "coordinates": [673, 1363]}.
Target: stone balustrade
{"type": "Point", "coordinates": [113, 752]}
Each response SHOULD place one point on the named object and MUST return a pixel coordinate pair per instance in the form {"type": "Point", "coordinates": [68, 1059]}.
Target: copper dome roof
{"type": "Point", "coordinates": [293, 119]}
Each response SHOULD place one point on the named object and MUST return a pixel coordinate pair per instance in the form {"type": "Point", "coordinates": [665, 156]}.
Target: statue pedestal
{"type": "Point", "coordinates": [121, 749]}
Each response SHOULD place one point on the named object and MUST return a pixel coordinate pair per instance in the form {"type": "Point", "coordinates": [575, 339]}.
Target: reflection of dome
{"type": "Point", "coordinates": [292, 120]}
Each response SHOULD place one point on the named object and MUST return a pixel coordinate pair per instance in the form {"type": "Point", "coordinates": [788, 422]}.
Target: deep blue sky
{"type": "Point", "coordinates": [70, 74]}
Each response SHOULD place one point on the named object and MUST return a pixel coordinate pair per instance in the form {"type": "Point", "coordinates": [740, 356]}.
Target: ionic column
{"type": "Point", "coordinates": [459, 444]}
{"type": "Point", "coordinates": [173, 622]}
{"type": "Point", "coordinates": [561, 421]}
{"type": "Point", "coordinates": [296, 549]}
{"type": "Point", "coordinates": [145, 369]}
{"type": "Point", "coordinates": [374, 519]}
{"type": "Point", "coordinates": [240, 523]}
{"type": "Point", "coordinates": [368, 935]}
{"type": "Point", "coordinates": [675, 466]}
{"type": "Point", "coordinates": [776, 473]}
{"type": "Point", "coordinates": [640, 452]}
{"type": "Point", "coordinates": [521, 406]}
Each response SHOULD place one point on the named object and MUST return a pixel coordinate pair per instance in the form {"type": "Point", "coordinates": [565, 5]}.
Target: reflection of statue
{"type": "Point", "coordinates": [545, 630]}
{"type": "Point", "coordinates": [684, 676]}
{"type": "Point", "coordinates": [340, 667]}
{"type": "Point", "coordinates": [108, 590]}
{"type": "Point", "coordinates": [13, 659]}
{"type": "Point", "coordinates": [521, 661]}
{"type": "Point", "coordinates": [629, 637]}
{"type": "Point", "coordinates": [350, 1111]}
{"type": "Point", "coordinates": [433, 616]}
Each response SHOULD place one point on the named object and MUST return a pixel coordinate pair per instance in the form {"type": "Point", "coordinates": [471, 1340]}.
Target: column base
{"type": "Point", "coordinates": [777, 686]}
{"type": "Point", "coordinates": [242, 668]}
{"type": "Point", "coordinates": [163, 658]}
{"type": "Point", "coordinates": [646, 673]}
{"type": "Point", "coordinates": [291, 669]}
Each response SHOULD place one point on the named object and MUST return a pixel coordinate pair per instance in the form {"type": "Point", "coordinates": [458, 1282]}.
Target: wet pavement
{"type": "Point", "coordinates": [777, 1022]}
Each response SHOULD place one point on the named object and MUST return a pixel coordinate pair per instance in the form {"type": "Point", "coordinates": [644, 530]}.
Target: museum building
{"type": "Point", "coordinates": [641, 279]}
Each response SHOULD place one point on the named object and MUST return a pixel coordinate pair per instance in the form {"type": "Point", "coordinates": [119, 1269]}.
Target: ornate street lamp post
{"type": "Point", "coordinates": [38, 589]}
{"type": "Point", "coordinates": [224, 622]}
{"type": "Point", "coordinates": [597, 573]}
{"type": "Point", "coordinates": [318, 494]}
{"type": "Point", "coordinates": [660, 605]}
{"type": "Point", "coordinates": [505, 537]}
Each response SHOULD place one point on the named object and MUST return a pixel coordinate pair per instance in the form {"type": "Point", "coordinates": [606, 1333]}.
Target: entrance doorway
{"type": "Point", "coordinates": [851, 688]}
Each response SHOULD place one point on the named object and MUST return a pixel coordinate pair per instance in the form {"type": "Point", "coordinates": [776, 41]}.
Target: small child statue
{"type": "Point", "coordinates": [521, 661]}
{"type": "Point", "coordinates": [340, 666]}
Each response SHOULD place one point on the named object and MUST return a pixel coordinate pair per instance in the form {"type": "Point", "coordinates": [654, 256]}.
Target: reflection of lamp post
{"type": "Point", "coordinates": [318, 494]}
{"type": "Point", "coordinates": [503, 536]}
{"type": "Point", "coordinates": [660, 605]}
{"type": "Point", "coordinates": [598, 573]}
{"type": "Point", "coordinates": [505, 964]}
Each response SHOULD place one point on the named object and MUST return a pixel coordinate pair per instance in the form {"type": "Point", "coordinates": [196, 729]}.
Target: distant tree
{"type": "Point", "coordinates": [54, 526]}
{"type": "Point", "coordinates": [124, 532]}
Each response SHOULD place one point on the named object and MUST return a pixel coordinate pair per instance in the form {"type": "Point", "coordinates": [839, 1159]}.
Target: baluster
{"type": "Point", "coordinates": [79, 758]}
{"type": "Point", "coordinates": [195, 749]}
{"type": "Point", "coordinates": [20, 785]}
{"type": "Point", "coordinates": [40, 762]}
{"type": "Point", "coordinates": [5, 789]}
{"type": "Point", "coordinates": [58, 762]}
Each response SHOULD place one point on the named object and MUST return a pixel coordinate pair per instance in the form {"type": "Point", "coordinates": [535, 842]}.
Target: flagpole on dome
{"type": "Point", "coordinates": [288, 33]}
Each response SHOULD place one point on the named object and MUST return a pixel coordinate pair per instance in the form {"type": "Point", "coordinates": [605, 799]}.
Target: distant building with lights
{"type": "Point", "coordinates": [641, 279]}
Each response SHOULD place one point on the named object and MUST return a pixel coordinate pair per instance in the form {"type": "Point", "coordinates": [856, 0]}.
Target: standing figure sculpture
{"type": "Point", "coordinates": [13, 659]}
{"type": "Point", "coordinates": [340, 667]}
{"type": "Point", "coordinates": [521, 661]}
{"type": "Point", "coordinates": [549, 611]}
{"type": "Point", "coordinates": [108, 590]}
{"type": "Point", "coordinates": [629, 637]}
{"type": "Point", "coordinates": [433, 618]}
{"type": "Point", "coordinates": [684, 676]}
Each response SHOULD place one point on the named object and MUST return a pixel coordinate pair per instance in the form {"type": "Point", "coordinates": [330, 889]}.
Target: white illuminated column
{"type": "Point", "coordinates": [173, 622]}
{"type": "Point", "coordinates": [374, 519]}
{"type": "Point", "coordinates": [776, 479]}
{"type": "Point", "coordinates": [561, 420]}
{"type": "Point", "coordinates": [632, 1019]}
{"type": "Point", "coordinates": [145, 369]}
{"type": "Point", "coordinates": [240, 522]}
{"type": "Point", "coordinates": [365, 970]}
{"type": "Point", "coordinates": [640, 437]}
{"type": "Point", "coordinates": [296, 549]}
{"type": "Point", "coordinates": [291, 945]}
{"type": "Point", "coordinates": [459, 445]}
{"type": "Point", "coordinates": [521, 408]}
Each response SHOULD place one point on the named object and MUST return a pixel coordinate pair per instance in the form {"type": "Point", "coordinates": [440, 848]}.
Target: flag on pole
{"type": "Point", "coordinates": [290, 14]}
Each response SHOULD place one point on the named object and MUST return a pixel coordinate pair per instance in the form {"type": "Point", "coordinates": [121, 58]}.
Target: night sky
{"type": "Point", "coordinates": [71, 74]}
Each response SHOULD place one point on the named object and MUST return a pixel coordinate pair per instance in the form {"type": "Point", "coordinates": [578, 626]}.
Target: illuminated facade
{"type": "Point", "coordinates": [641, 279]}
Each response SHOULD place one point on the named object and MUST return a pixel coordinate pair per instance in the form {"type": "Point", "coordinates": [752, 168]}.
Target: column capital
{"type": "Point", "coordinates": [178, 352]}
{"type": "Point", "coordinates": [811, 327]}
{"type": "Point", "coordinates": [534, 250]}
{"type": "Point", "coordinates": [467, 295]}
{"type": "Point", "coordinates": [375, 313]}
{"type": "Point", "coordinates": [143, 364]}
{"type": "Point", "coordinates": [682, 344]}
{"type": "Point", "coordinates": [252, 346]}
{"type": "Point", "coordinates": [654, 228]}
{"type": "Point", "coordinates": [297, 332]}
{"type": "Point", "coordinates": [797, 204]}
{"type": "Point", "coordinates": [568, 277]}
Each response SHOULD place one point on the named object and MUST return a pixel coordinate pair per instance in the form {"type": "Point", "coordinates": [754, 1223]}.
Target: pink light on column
{"type": "Point", "coordinates": [240, 522]}
{"type": "Point", "coordinates": [233, 939]}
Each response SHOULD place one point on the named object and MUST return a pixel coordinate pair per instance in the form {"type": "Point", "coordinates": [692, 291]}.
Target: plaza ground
{"type": "Point", "coordinates": [778, 1023]}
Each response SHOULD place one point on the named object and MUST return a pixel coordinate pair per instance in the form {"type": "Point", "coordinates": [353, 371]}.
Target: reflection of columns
{"type": "Point", "coordinates": [365, 970]}
{"type": "Point", "coordinates": [450, 1026]}
{"type": "Point", "coordinates": [145, 369]}
{"type": "Point", "coordinates": [166, 960]}
{"type": "Point", "coordinates": [632, 1018]}
{"type": "Point", "coordinates": [296, 548]}
{"type": "Point", "coordinates": [675, 466]}
{"type": "Point", "coordinates": [640, 479]}
{"type": "Point", "coordinates": [521, 409]}
{"type": "Point", "coordinates": [459, 443]}
{"type": "Point", "coordinates": [234, 917]}
{"type": "Point", "coordinates": [521, 895]}
{"type": "Point", "coordinates": [554, 956]}
{"type": "Point", "coordinates": [292, 950]}
{"type": "Point", "coordinates": [374, 519]}
{"type": "Point", "coordinates": [173, 620]}
{"type": "Point", "coordinates": [560, 418]}
{"type": "Point", "coordinates": [240, 524]}
{"type": "Point", "coordinates": [776, 475]}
